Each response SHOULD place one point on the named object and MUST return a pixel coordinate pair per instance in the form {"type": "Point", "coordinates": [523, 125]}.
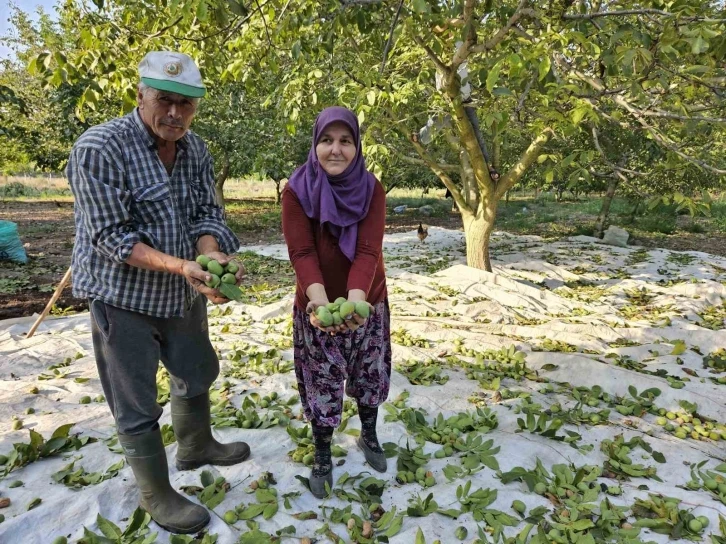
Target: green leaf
{"type": "Point", "coordinates": [232, 292]}
{"type": "Point", "coordinates": [62, 431]}
{"type": "Point", "coordinates": [108, 528]}
{"type": "Point", "coordinates": [544, 67]}
{"type": "Point", "coordinates": [493, 76]}
{"type": "Point", "coordinates": [421, 6]}
{"type": "Point", "coordinates": [202, 12]}
{"type": "Point", "coordinates": [578, 113]}
{"type": "Point", "coordinates": [237, 8]}
{"type": "Point", "coordinates": [371, 96]}
{"type": "Point", "coordinates": [207, 478]}
{"type": "Point", "coordinates": [679, 347]}
{"type": "Point", "coordinates": [659, 457]}
{"type": "Point", "coordinates": [698, 45]}
{"type": "Point", "coordinates": [420, 539]}
{"type": "Point", "coordinates": [269, 511]}
{"type": "Point", "coordinates": [395, 527]}
{"type": "Point", "coordinates": [582, 524]}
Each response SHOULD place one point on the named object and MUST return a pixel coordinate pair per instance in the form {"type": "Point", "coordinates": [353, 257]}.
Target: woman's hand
{"type": "Point", "coordinates": [356, 296]}
{"type": "Point", "coordinates": [357, 321]}
{"type": "Point", "coordinates": [315, 322]}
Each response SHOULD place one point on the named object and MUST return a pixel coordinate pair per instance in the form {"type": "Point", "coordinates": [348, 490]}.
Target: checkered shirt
{"type": "Point", "coordinates": [123, 196]}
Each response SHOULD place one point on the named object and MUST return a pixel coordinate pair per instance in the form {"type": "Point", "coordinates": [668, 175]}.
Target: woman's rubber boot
{"type": "Point", "coordinates": [368, 439]}
{"type": "Point", "coordinates": [146, 456]}
{"type": "Point", "coordinates": [322, 472]}
{"type": "Point", "coordinates": [195, 444]}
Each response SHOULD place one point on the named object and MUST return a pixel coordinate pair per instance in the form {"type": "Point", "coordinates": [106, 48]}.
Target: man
{"type": "Point", "coordinates": [145, 207]}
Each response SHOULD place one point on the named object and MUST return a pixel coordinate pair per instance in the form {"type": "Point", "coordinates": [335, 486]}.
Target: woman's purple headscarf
{"type": "Point", "coordinates": [341, 201]}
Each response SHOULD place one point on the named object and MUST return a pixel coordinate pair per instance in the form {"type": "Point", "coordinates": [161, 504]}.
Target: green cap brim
{"type": "Point", "coordinates": [174, 87]}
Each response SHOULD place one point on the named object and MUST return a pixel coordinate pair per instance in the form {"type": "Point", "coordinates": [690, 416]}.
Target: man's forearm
{"type": "Point", "coordinates": [207, 244]}
{"type": "Point", "coordinates": [148, 258]}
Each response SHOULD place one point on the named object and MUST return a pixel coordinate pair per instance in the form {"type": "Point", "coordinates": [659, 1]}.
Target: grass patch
{"type": "Point", "coordinates": [253, 215]}
{"type": "Point", "coordinates": [260, 269]}
{"type": "Point", "coordinates": [659, 223]}
{"type": "Point", "coordinates": [19, 190]}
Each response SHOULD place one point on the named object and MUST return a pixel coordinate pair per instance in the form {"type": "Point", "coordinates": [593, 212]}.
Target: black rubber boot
{"type": "Point", "coordinates": [195, 444]}
{"type": "Point", "coordinates": [146, 456]}
{"type": "Point", "coordinates": [368, 439]}
{"type": "Point", "coordinates": [322, 471]}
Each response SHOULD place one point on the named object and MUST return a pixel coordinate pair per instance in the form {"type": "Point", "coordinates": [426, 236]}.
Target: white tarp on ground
{"type": "Point", "coordinates": [525, 302]}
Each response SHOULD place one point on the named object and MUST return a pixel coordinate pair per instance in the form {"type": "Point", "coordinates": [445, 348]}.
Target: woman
{"type": "Point", "coordinates": [333, 219]}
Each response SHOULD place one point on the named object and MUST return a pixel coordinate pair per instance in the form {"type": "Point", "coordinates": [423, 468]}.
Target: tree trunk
{"type": "Point", "coordinates": [278, 191]}
{"type": "Point", "coordinates": [634, 212]}
{"type": "Point", "coordinates": [605, 210]}
{"type": "Point", "coordinates": [221, 177]}
{"type": "Point", "coordinates": [478, 230]}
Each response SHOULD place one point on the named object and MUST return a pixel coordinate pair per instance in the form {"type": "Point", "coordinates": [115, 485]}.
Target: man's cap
{"type": "Point", "coordinates": [173, 72]}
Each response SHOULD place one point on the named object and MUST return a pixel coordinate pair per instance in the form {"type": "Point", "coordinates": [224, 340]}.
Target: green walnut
{"type": "Point", "coordinates": [213, 281]}
{"type": "Point", "coordinates": [232, 268]}
{"type": "Point", "coordinates": [215, 268]}
{"type": "Point", "coordinates": [332, 307]}
{"type": "Point", "coordinates": [519, 507]}
{"type": "Point", "coordinates": [203, 260]}
{"type": "Point", "coordinates": [60, 540]}
{"type": "Point", "coordinates": [340, 301]}
{"type": "Point", "coordinates": [337, 319]}
{"type": "Point", "coordinates": [324, 315]}
{"type": "Point", "coordinates": [362, 309]}
{"type": "Point", "coordinates": [85, 400]}
{"type": "Point", "coordinates": [347, 309]}
{"type": "Point", "coordinates": [230, 516]}
{"type": "Point", "coordinates": [229, 278]}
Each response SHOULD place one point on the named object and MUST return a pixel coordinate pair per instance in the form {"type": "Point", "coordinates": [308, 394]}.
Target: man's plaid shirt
{"type": "Point", "coordinates": [124, 195]}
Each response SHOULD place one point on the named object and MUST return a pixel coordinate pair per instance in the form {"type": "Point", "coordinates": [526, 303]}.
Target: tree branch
{"type": "Point", "coordinates": [526, 160]}
{"type": "Point", "coordinates": [469, 140]}
{"type": "Point", "coordinates": [443, 176]}
{"type": "Point", "coordinates": [617, 169]}
{"type": "Point", "coordinates": [495, 40]}
{"type": "Point", "coordinates": [464, 49]}
{"type": "Point", "coordinates": [421, 162]}
{"type": "Point", "coordinates": [352, 3]}
{"type": "Point", "coordinates": [362, 83]}
{"type": "Point", "coordinates": [264, 21]}
{"type": "Point", "coordinates": [668, 115]}
{"type": "Point", "coordinates": [390, 37]}
{"type": "Point", "coordinates": [638, 115]}
{"type": "Point", "coordinates": [644, 11]}
{"type": "Point", "coordinates": [525, 93]}
{"type": "Point", "coordinates": [440, 66]}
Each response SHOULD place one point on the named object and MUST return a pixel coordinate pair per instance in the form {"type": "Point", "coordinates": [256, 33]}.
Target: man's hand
{"type": "Point", "coordinates": [224, 260]}
{"type": "Point", "coordinates": [197, 276]}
